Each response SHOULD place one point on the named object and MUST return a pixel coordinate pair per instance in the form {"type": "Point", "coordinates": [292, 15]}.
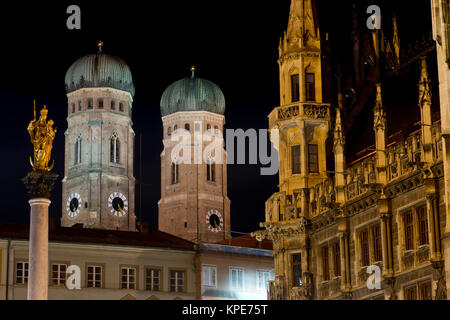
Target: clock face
{"type": "Point", "coordinates": [73, 205]}
{"type": "Point", "coordinates": [214, 220]}
{"type": "Point", "coordinates": [118, 204]}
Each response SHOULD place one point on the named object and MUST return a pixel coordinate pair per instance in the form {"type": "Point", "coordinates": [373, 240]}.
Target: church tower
{"type": "Point", "coordinates": [302, 123]}
{"type": "Point", "coordinates": [98, 184]}
{"type": "Point", "coordinates": [194, 203]}
{"type": "Point", "coordinates": [303, 120]}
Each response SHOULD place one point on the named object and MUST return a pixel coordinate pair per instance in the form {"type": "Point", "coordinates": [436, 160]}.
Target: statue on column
{"type": "Point", "coordinates": [42, 135]}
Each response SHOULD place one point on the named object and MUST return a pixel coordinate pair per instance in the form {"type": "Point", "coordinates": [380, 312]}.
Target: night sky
{"type": "Point", "coordinates": [232, 43]}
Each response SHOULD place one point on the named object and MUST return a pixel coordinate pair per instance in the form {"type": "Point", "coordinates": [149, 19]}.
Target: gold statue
{"type": "Point", "coordinates": [42, 135]}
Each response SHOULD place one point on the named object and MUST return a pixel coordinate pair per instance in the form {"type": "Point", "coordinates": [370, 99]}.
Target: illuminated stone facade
{"type": "Point", "coordinates": [384, 211]}
{"type": "Point", "coordinates": [98, 185]}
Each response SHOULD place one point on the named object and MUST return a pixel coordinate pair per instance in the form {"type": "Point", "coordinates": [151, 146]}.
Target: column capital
{"type": "Point", "coordinates": [40, 184]}
{"type": "Point", "coordinates": [39, 201]}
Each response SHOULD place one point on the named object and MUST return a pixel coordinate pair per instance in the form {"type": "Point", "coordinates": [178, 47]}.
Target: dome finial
{"type": "Point", "coordinates": [193, 69]}
{"type": "Point", "coordinates": [100, 46]}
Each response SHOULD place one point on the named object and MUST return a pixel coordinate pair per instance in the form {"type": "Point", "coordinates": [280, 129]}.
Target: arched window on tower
{"type": "Point", "coordinates": [175, 172]}
{"type": "Point", "coordinates": [169, 131]}
{"type": "Point", "coordinates": [115, 149]}
{"type": "Point", "coordinates": [77, 151]}
{"type": "Point", "coordinates": [310, 84]}
{"type": "Point", "coordinates": [295, 87]}
{"type": "Point", "coordinates": [73, 107]}
{"type": "Point", "coordinates": [187, 127]}
{"type": "Point", "coordinates": [121, 107]}
{"type": "Point", "coordinates": [210, 170]}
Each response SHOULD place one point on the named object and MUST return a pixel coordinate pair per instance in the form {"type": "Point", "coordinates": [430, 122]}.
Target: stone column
{"type": "Point", "coordinates": [39, 185]}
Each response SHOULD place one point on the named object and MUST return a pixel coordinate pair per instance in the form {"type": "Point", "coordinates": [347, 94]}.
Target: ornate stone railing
{"type": "Point", "coordinates": [309, 110]}
{"type": "Point", "coordinates": [277, 289]}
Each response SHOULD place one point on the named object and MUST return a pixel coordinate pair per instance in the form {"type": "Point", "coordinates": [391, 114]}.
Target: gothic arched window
{"type": "Point", "coordinates": [115, 149]}
{"type": "Point", "coordinates": [175, 172]}
{"type": "Point", "coordinates": [77, 151]}
{"type": "Point", "coordinates": [210, 170]}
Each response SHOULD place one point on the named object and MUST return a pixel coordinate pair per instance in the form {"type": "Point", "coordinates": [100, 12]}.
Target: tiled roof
{"type": "Point", "coordinates": [76, 234]}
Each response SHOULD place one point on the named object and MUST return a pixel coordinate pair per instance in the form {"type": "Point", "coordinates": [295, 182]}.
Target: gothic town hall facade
{"type": "Point", "coordinates": [343, 215]}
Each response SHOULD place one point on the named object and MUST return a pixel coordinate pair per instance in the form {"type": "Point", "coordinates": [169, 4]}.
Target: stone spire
{"type": "Point", "coordinates": [424, 84]}
{"type": "Point", "coordinates": [379, 126]}
{"type": "Point", "coordinates": [302, 29]}
{"type": "Point", "coordinates": [339, 155]}
{"type": "Point", "coordinates": [396, 39]}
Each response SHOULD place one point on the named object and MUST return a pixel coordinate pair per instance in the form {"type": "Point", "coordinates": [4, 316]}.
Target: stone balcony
{"type": "Point", "coordinates": [309, 110]}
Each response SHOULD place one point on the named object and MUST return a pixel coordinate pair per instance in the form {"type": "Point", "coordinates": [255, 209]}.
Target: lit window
{"type": "Point", "coordinates": [21, 272]}
{"type": "Point", "coordinates": [237, 278]}
{"type": "Point", "coordinates": [177, 281]}
{"type": "Point", "coordinates": [262, 280]}
{"type": "Point", "coordinates": [152, 279]}
{"type": "Point", "coordinates": [208, 128]}
{"type": "Point", "coordinates": [169, 131]}
{"type": "Point", "coordinates": [79, 105]}
{"type": "Point", "coordinates": [128, 278]}
{"type": "Point", "coordinates": [59, 274]}
{"type": "Point", "coordinates": [209, 276]}
{"type": "Point", "coordinates": [216, 130]}
{"type": "Point", "coordinates": [94, 276]}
